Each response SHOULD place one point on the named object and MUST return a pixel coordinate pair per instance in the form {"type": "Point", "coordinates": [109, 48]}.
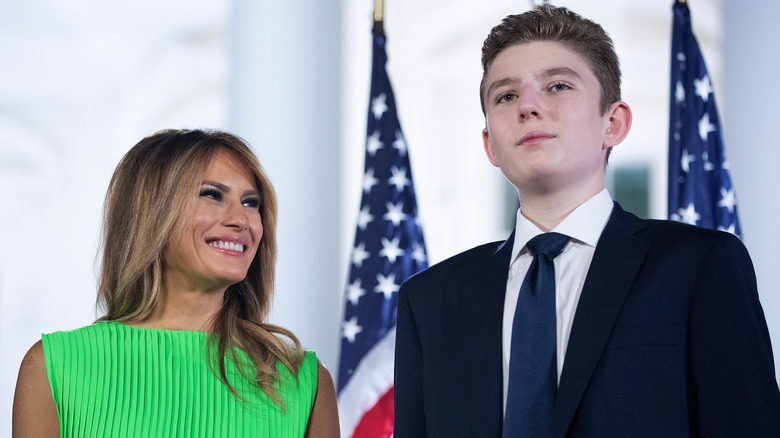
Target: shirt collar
{"type": "Point", "coordinates": [584, 224]}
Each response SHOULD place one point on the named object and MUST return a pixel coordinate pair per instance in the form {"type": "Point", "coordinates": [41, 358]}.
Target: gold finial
{"type": "Point", "coordinates": [379, 10]}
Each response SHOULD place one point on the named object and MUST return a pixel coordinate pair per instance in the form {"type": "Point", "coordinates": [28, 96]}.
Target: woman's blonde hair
{"type": "Point", "coordinates": [154, 187]}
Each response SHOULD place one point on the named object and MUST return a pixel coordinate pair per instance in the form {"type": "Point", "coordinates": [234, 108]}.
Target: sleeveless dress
{"type": "Point", "coordinates": [114, 380]}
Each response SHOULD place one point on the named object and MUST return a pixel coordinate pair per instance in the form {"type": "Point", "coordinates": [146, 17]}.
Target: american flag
{"type": "Point", "coordinates": [389, 248]}
{"type": "Point", "coordinates": [700, 190]}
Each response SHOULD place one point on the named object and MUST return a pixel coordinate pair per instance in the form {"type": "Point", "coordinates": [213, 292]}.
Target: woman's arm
{"type": "Point", "coordinates": [324, 418]}
{"type": "Point", "coordinates": [34, 411]}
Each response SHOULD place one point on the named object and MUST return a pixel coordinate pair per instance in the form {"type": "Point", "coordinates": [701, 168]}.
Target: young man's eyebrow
{"type": "Point", "coordinates": [559, 71]}
{"type": "Point", "coordinates": [500, 83]}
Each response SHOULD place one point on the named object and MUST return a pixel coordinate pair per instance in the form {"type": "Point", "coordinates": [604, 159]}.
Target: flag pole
{"type": "Point", "coordinates": [379, 16]}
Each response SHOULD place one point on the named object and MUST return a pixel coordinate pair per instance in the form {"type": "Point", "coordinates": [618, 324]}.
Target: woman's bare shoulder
{"type": "Point", "coordinates": [324, 418]}
{"type": "Point", "coordinates": [34, 410]}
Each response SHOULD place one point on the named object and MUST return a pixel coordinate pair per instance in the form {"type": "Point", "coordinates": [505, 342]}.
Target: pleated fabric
{"type": "Point", "coordinates": [113, 380]}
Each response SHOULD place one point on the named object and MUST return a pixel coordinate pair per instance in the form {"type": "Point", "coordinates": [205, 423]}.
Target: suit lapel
{"type": "Point", "coordinates": [616, 262]}
{"type": "Point", "coordinates": [481, 302]}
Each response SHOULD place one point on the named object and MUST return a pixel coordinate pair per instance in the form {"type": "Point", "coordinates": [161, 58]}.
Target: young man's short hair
{"type": "Point", "coordinates": [548, 23]}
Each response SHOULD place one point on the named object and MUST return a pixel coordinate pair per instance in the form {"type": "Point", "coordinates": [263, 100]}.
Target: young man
{"type": "Point", "coordinates": [657, 329]}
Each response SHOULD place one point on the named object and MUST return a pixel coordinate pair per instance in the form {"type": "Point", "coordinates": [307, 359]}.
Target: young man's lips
{"type": "Point", "coordinates": [535, 136]}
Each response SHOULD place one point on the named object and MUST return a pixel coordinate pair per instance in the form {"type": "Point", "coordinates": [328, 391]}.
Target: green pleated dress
{"type": "Point", "coordinates": [113, 380]}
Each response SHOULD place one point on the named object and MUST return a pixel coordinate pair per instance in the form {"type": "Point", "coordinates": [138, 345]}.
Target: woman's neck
{"type": "Point", "coordinates": [183, 310]}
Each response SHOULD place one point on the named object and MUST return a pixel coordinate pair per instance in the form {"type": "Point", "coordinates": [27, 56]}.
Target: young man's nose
{"type": "Point", "coordinates": [528, 105]}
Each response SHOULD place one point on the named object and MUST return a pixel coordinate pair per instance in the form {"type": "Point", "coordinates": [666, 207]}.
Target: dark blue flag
{"type": "Point", "coordinates": [700, 190]}
{"type": "Point", "coordinates": [388, 248]}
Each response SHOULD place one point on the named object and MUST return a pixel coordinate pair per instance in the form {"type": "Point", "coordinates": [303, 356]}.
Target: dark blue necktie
{"type": "Point", "coordinates": [533, 370]}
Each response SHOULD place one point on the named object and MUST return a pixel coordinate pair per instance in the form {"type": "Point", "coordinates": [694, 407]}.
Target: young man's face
{"type": "Point", "coordinates": [544, 128]}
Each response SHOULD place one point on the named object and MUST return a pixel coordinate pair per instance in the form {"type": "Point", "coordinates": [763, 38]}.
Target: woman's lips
{"type": "Point", "coordinates": [229, 244]}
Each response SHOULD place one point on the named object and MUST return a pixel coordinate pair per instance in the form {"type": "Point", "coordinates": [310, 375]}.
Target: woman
{"type": "Point", "coordinates": [183, 349]}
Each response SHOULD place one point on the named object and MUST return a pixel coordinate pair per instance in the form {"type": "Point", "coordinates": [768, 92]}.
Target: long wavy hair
{"type": "Point", "coordinates": [152, 189]}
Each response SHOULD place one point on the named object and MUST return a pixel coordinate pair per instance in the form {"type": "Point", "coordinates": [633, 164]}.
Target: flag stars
{"type": "Point", "coordinates": [688, 215]}
{"type": "Point", "coordinates": [399, 179]}
{"type": "Point", "coordinates": [379, 106]}
{"type": "Point", "coordinates": [679, 93]}
{"type": "Point", "coordinates": [708, 165]}
{"type": "Point", "coordinates": [359, 254]}
{"type": "Point", "coordinates": [391, 249]}
{"type": "Point", "coordinates": [369, 181]}
{"type": "Point", "coordinates": [395, 213]}
{"type": "Point", "coordinates": [386, 285]}
{"type": "Point", "coordinates": [703, 87]}
{"type": "Point", "coordinates": [705, 127]}
{"type": "Point", "coordinates": [701, 188]}
{"type": "Point", "coordinates": [685, 161]}
{"type": "Point", "coordinates": [400, 143]}
{"type": "Point", "coordinates": [728, 199]}
{"type": "Point", "coordinates": [373, 143]}
{"type": "Point", "coordinates": [355, 291]}
{"type": "Point", "coordinates": [731, 229]}
{"type": "Point", "coordinates": [364, 217]}
{"type": "Point", "coordinates": [351, 329]}
{"type": "Point", "coordinates": [418, 253]}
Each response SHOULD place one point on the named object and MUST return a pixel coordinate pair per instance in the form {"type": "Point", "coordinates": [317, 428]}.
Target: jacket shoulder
{"type": "Point", "coordinates": [681, 234]}
{"type": "Point", "coordinates": [672, 234]}
{"type": "Point", "coordinates": [461, 264]}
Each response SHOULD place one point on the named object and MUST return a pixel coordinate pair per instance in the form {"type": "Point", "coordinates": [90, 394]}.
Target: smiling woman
{"type": "Point", "coordinates": [217, 242]}
{"type": "Point", "coordinates": [189, 250]}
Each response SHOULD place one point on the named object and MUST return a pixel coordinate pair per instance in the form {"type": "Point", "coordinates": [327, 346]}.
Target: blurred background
{"type": "Point", "coordinates": [83, 81]}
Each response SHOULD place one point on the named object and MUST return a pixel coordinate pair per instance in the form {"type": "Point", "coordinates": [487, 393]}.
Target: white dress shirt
{"type": "Point", "coordinates": [584, 225]}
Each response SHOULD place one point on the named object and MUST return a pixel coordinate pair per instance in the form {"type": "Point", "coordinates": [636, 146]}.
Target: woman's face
{"type": "Point", "coordinates": [219, 241]}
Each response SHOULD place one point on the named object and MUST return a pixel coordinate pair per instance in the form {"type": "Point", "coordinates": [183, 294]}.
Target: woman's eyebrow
{"type": "Point", "coordinates": [226, 188]}
{"type": "Point", "coordinates": [220, 186]}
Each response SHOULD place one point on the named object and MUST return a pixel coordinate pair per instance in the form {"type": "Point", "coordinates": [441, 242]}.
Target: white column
{"type": "Point", "coordinates": [285, 100]}
{"type": "Point", "coordinates": [751, 141]}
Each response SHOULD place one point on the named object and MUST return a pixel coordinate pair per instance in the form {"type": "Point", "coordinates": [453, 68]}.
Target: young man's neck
{"type": "Point", "coordinates": [547, 210]}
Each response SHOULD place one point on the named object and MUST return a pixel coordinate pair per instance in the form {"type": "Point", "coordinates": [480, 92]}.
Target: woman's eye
{"type": "Point", "coordinates": [251, 203]}
{"type": "Point", "coordinates": [211, 193]}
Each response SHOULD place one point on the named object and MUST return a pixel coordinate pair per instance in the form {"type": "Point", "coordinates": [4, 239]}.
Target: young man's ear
{"type": "Point", "coordinates": [618, 123]}
{"type": "Point", "coordinates": [488, 144]}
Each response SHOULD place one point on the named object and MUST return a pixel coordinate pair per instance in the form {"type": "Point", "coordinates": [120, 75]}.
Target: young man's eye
{"type": "Point", "coordinates": [559, 86]}
{"type": "Point", "coordinates": [505, 98]}
{"type": "Point", "coordinates": [251, 202]}
{"type": "Point", "coordinates": [211, 193]}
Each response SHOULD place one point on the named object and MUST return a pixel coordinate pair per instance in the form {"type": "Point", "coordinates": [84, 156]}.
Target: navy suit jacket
{"type": "Point", "coordinates": [668, 340]}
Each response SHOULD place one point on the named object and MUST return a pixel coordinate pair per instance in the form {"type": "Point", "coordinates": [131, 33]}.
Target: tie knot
{"type": "Point", "coordinates": [548, 244]}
